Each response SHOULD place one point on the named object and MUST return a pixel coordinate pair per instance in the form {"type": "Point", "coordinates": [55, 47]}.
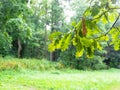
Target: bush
{"type": "Point", "coordinates": [6, 64]}
{"type": "Point", "coordinates": [31, 64]}
{"type": "Point", "coordinates": [112, 58]}
{"type": "Point", "coordinates": [68, 59]}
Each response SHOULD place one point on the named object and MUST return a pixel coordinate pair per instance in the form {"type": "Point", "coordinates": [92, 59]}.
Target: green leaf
{"type": "Point", "coordinates": [101, 26]}
{"type": "Point", "coordinates": [95, 9]}
{"type": "Point", "coordinates": [73, 23]}
{"type": "Point", "coordinates": [90, 52]}
{"type": "Point", "coordinates": [104, 19]}
{"type": "Point", "coordinates": [78, 29]}
{"type": "Point", "coordinates": [104, 38]}
{"type": "Point", "coordinates": [99, 46]}
{"type": "Point", "coordinates": [80, 53]}
{"type": "Point", "coordinates": [55, 35]}
{"type": "Point", "coordinates": [86, 42]}
{"type": "Point", "coordinates": [74, 41]}
{"type": "Point", "coordinates": [112, 17]}
{"type": "Point", "coordinates": [103, 1]}
{"type": "Point", "coordinates": [51, 47]}
{"type": "Point", "coordinates": [94, 44]}
{"type": "Point", "coordinates": [116, 47]}
{"type": "Point", "coordinates": [66, 42]}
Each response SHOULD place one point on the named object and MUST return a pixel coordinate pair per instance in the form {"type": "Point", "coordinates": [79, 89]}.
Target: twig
{"type": "Point", "coordinates": [105, 12]}
{"type": "Point", "coordinates": [110, 27]}
{"type": "Point", "coordinates": [117, 29]}
{"type": "Point", "coordinates": [102, 14]}
{"type": "Point", "coordinates": [113, 24]}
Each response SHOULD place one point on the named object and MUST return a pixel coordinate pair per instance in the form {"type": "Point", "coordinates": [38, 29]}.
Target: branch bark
{"type": "Point", "coordinates": [19, 48]}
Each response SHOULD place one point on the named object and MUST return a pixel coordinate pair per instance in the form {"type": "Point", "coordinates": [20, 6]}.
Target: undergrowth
{"type": "Point", "coordinates": [9, 63]}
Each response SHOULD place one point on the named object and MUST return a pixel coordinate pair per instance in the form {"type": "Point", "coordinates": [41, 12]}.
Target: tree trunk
{"type": "Point", "coordinates": [51, 56]}
{"type": "Point", "coordinates": [19, 48]}
{"type": "Point", "coordinates": [45, 43]}
{"type": "Point", "coordinates": [52, 30]}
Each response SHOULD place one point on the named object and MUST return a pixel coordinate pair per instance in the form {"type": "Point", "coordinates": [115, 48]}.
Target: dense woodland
{"type": "Point", "coordinates": [82, 35]}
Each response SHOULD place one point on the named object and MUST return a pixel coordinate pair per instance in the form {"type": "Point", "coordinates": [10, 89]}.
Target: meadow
{"type": "Point", "coordinates": [29, 74]}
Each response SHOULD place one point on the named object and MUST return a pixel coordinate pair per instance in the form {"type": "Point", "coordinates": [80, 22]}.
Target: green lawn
{"type": "Point", "coordinates": [60, 80]}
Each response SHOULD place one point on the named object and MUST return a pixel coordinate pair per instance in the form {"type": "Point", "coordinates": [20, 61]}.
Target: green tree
{"type": "Point", "coordinates": [56, 22]}
{"type": "Point", "coordinates": [22, 32]}
{"type": "Point", "coordinates": [5, 43]}
{"type": "Point", "coordinates": [34, 47]}
{"type": "Point", "coordinates": [13, 21]}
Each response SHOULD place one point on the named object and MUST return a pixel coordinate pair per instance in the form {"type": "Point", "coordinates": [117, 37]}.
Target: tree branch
{"type": "Point", "coordinates": [102, 14]}
{"type": "Point", "coordinates": [110, 27]}
{"type": "Point", "coordinates": [113, 24]}
{"type": "Point", "coordinates": [105, 12]}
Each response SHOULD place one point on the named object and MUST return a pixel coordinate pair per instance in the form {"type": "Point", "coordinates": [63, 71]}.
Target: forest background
{"type": "Point", "coordinates": [68, 28]}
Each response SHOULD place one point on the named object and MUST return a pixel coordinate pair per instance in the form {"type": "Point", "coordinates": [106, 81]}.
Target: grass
{"type": "Point", "coordinates": [58, 79]}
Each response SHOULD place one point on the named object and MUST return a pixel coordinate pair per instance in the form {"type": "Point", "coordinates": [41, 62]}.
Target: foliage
{"type": "Point", "coordinates": [34, 46]}
{"type": "Point", "coordinates": [95, 26]}
{"type": "Point", "coordinates": [21, 29]}
{"type": "Point", "coordinates": [83, 63]}
{"type": "Point", "coordinates": [13, 23]}
{"type": "Point", "coordinates": [112, 58]}
{"type": "Point", "coordinates": [5, 43]}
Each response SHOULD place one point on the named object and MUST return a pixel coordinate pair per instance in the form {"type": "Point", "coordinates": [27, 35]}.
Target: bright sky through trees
{"type": "Point", "coordinates": [67, 10]}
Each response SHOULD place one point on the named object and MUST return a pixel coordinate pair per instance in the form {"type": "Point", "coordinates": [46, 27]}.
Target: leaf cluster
{"type": "Point", "coordinates": [95, 26]}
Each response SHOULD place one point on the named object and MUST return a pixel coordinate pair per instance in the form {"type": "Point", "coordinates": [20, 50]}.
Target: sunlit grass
{"type": "Point", "coordinates": [32, 74]}
{"type": "Point", "coordinates": [60, 80]}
